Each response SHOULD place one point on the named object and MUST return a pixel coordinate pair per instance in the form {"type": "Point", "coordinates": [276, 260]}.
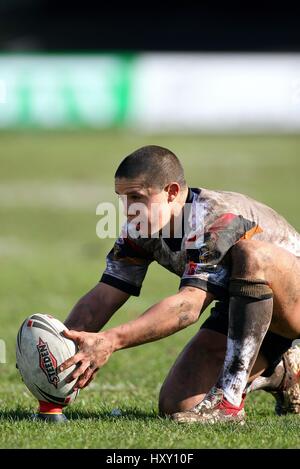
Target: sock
{"type": "Point", "coordinates": [249, 320]}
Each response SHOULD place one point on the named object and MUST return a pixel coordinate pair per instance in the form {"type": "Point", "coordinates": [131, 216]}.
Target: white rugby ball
{"type": "Point", "coordinates": [41, 348]}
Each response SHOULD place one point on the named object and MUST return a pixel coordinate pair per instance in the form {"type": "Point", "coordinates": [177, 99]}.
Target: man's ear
{"type": "Point", "coordinates": [173, 190]}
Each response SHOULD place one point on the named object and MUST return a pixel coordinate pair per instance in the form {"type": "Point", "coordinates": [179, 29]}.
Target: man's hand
{"type": "Point", "coordinates": [94, 351]}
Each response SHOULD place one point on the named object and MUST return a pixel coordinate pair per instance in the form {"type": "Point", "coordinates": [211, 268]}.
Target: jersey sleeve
{"type": "Point", "coordinates": [126, 266]}
{"type": "Point", "coordinates": [207, 266]}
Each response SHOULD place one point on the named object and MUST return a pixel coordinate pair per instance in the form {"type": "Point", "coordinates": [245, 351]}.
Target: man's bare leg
{"type": "Point", "coordinates": [196, 370]}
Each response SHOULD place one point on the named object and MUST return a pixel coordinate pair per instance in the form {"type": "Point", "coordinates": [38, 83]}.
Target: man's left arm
{"type": "Point", "coordinates": [161, 320]}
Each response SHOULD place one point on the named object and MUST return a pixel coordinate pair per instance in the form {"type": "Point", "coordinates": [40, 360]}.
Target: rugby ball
{"type": "Point", "coordinates": [40, 349]}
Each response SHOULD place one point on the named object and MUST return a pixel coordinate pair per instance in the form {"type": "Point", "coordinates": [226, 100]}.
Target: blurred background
{"type": "Point", "coordinates": [166, 68]}
{"type": "Point", "coordinates": [82, 86]}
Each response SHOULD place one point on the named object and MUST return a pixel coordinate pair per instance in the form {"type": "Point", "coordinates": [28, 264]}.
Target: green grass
{"type": "Point", "coordinates": [50, 184]}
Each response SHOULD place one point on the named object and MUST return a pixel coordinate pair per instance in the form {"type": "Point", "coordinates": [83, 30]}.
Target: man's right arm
{"type": "Point", "coordinates": [95, 308]}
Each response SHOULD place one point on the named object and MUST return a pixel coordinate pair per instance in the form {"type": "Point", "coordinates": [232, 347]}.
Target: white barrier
{"type": "Point", "coordinates": [155, 92]}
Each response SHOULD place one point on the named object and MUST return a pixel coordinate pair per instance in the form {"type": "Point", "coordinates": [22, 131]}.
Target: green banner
{"type": "Point", "coordinates": [52, 91]}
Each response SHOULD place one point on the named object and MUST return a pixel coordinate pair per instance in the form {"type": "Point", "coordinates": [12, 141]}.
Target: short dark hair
{"type": "Point", "coordinates": [158, 166]}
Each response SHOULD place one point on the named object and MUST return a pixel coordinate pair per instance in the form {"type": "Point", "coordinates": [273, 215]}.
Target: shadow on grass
{"type": "Point", "coordinates": [75, 415]}
{"type": "Point", "coordinates": [128, 414]}
{"type": "Point", "coordinates": [15, 415]}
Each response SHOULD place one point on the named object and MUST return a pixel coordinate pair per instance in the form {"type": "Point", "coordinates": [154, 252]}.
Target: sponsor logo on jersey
{"type": "Point", "coordinates": [193, 268]}
{"type": "Point", "coordinates": [48, 362]}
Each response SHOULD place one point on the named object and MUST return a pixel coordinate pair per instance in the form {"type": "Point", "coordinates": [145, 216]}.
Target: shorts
{"type": "Point", "coordinates": [272, 347]}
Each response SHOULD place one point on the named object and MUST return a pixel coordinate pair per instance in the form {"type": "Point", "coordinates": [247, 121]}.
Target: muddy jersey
{"type": "Point", "coordinates": [213, 222]}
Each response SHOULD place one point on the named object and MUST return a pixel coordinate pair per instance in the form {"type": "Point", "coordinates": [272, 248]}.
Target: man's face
{"type": "Point", "coordinates": [147, 208]}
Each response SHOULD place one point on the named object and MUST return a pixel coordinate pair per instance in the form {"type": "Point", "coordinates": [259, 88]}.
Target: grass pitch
{"type": "Point", "coordinates": [50, 184]}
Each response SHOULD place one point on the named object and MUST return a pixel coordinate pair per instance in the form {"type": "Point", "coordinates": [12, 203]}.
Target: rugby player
{"type": "Point", "coordinates": [239, 253]}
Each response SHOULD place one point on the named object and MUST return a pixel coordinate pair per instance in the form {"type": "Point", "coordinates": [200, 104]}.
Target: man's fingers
{"type": "Point", "coordinates": [74, 335]}
{"type": "Point", "coordinates": [71, 361]}
{"type": "Point", "coordinates": [79, 371]}
{"type": "Point", "coordinates": [91, 379]}
{"type": "Point", "coordinates": [86, 378]}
